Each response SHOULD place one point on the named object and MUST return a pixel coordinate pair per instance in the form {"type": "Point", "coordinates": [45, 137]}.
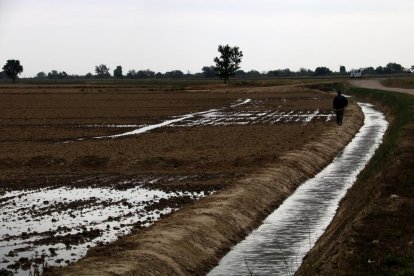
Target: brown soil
{"type": "Point", "coordinates": [34, 120]}
{"type": "Point", "coordinates": [255, 166]}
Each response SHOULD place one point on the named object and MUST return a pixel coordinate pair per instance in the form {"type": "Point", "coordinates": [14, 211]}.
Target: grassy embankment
{"type": "Point", "coordinates": [399, 82]}
{"type": "Point", "coordinates": [373, 231]}
{"type": "Point", "coordinates": [400, 110]}
{"type": "Point", "coordinates": [394, 161]}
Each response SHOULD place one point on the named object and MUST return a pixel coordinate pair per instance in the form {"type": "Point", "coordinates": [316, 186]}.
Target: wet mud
{"type": "Point", "coordinates": [192, 240]}
{"type": "Point", "coordinates": [59, 200]}
{"type": "Point", "coordinates": [56, 226]}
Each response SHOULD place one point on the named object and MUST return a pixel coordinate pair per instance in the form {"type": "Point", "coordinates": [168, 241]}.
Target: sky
{"type": "Point", "coordinates": [163, 35]}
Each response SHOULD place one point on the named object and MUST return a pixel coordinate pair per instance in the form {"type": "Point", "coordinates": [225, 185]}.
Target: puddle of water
{"type": "Point", "coordinates": [227, 116]}
{"type": "Point", "coordinates": [279, 244]}
{"type": "Point", "coordinates": [111, 126]}
{"type": "Point", "coordinates": [241, 103]}
{"type": "Point", "coordinates": [58, 225]}
{"type": "Point", "coordinates": [171, 121]}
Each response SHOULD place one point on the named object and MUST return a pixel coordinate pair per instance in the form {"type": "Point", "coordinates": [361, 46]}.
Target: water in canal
{"type": "Point", "coordinates": [279, 244]}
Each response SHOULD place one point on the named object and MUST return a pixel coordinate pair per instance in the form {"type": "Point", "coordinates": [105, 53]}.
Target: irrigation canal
{"type": "Point", "coordinates": [279, 244]}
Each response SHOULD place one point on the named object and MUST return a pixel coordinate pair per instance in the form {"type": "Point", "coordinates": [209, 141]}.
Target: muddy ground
{"type": "Point", "coordinates": [47, 136]}
{"type": "Point", "coordinates": [35, 121]}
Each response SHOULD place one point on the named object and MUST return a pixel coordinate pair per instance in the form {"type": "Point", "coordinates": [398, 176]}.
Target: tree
{"type": "Point", "coordinates": [412, 68]}
{"type": "Point", "coordinates": [280, 73]}
{"type": "Point", "coordinates": [131, 74]}
{"type": "Point", "coordinates": [175, 74]}
{"type": "Point", "coordinates": [12, 68]}
{"type": "Point", "coordinates": [102, 71]}
{"type": "Point", "coordinates": [53, 75]}
{"type": "Point", "coordinates": [253, 74]}
{"type": "Point", "coordinates": [394, 68]}
{"type": "Point", "coordinates": [209, 72]}
{"type": "Point", "coordinates": [342, 70]}
{"type": "Point", "coordinates": [390, 68]}
{"type": "Point", "coordinates": [305, 72]}
{"type": "Point", "coordinates": [62, 75]}
{"type": "Point", "coordinates": [118, 72]}
{"type": "Point", "coordinates": [145, 74]}
{"type": "Point", "coordinates": [89, 76]}
{"type": "Point", "coordinates": [380, 70]}
{"type": "Point", "coordinates": [322, 71]}
{"type": "Point", "coordinates": [41, 75]}
{"type": "Point", "coordinates": [369, 70]}
{"type": "Point", "coordinates": [228, 62]}
{"type": "Point", "coordinates": [240, 74]}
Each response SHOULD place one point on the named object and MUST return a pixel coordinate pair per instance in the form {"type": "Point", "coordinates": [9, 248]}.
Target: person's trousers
{"type": "Point", "coordinates": [339, 116]}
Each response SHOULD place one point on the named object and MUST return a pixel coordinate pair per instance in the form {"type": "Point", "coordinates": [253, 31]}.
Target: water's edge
{"type": "Point", "coordinates": [279, 244]}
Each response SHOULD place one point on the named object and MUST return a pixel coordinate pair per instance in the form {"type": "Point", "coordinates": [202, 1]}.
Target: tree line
{"type": "Point", "coordinates": [226, 65]}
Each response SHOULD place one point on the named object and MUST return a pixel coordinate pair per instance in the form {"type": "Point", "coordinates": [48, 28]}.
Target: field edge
{"type": "Point", "coordinates": [192, 240]}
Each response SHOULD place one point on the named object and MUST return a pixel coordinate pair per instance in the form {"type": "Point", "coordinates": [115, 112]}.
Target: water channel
{"type": "Point", "coordinates": [279, 244]}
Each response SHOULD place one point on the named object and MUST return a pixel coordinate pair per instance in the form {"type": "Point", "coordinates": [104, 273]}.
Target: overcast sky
{"type": "Point", "coordinates": [164, 35]}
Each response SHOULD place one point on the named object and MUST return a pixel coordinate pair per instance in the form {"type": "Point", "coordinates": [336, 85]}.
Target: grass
{"type": "Point", "coordinates": [407, 82]}
{"type": "Point", "coordinates": [402, 263]}
{"type": "Point", "coordinates": [401, 109]}
{"type": "Point", "coordinates": [393, 160]}
{"type": "Point", "coordinates": [388, 172]}
{"type": "Point", "coordinates": [328, 86]}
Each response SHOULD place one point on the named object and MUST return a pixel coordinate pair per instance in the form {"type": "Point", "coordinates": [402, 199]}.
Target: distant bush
{"type": "Point", "coordinates": [322, 71]}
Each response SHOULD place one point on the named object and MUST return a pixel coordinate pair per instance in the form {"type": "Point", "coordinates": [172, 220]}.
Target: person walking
{"type": "Point", "coordinates": [339, 104]}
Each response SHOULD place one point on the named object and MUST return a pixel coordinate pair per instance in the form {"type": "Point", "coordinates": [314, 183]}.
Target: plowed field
{"type": "Point", "coordinates": [186, 143]}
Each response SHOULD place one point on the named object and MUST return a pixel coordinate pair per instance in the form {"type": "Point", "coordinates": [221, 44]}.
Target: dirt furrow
{"type": "Point", "coordinates": [192, 240]}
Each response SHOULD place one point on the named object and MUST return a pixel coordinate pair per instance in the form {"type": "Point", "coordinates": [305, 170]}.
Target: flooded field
{"type": "Point", "coordinates": [53, 226]}
{"type": "Point", "coordinates": [252, 113]}
{"type": "Point", "coordinates": [80, 169]}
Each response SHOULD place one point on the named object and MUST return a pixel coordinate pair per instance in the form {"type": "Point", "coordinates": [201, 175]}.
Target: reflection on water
{"type": "Point", "coordinates": [252, 114]}
{"type": "Point", "coordinates": [279, 244]}
{"type": "Point", "coordinates": [56, 226]}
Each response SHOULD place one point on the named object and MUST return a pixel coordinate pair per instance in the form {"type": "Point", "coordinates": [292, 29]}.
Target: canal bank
{"type": "Point", "coordinates": [372, 232]}
{"type": "Point", "coordinates": [279, 244]}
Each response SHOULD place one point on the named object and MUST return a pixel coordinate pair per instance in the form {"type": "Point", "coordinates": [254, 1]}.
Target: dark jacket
{"type": "Point", "coordinates": [340, 102]}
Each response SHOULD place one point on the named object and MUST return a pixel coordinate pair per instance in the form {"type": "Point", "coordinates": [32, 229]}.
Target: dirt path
{"type": "Point", "coordinates": [376, 84]}
{"type": "Point", "coordinates": [193, 240]}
